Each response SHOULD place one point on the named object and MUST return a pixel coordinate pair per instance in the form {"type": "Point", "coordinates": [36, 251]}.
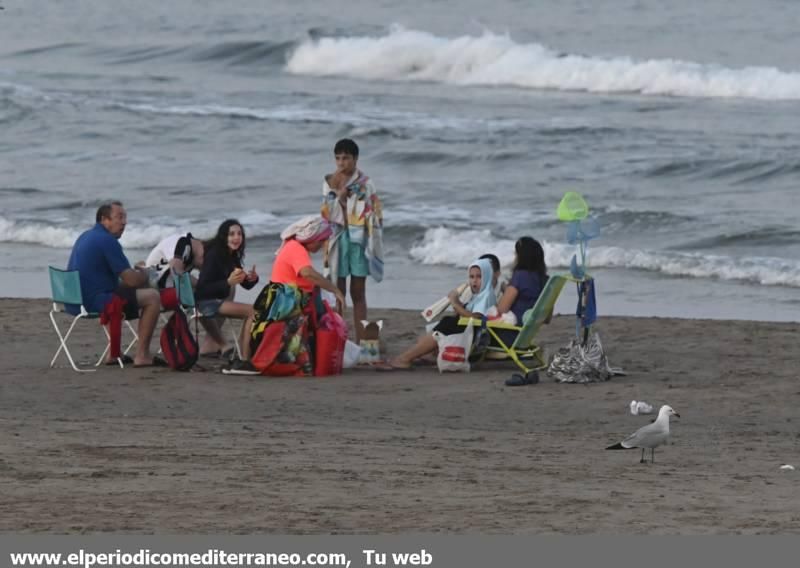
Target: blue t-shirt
{"type": "Point", "coordinates": [529, 287]}
{"type": "Point", "coordinates": [98, 258]}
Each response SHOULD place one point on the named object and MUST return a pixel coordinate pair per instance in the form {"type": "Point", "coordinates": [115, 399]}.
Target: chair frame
{"type": "Point", "coordinates": [187, 302]}
{"type": "Point", "coordinates": [58, 307]}
{"type": "Point", "coordinates": [533, 320]}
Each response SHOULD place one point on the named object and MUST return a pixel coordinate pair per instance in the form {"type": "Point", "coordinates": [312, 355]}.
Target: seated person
{"type": "Point", "coordinates": [498, 283]}
{"type": "Point", "coordinates": [105, 273]}
{"type": "Point", "coordinates": [293, 266]}
{"type": "Point", "coordinates": [293, 263]}
{"type": "Point", "coordinates": [528, 278]}
{"type": "Point", "coordinates": [483, 298]}
{"type": "Point", "coordinates": [216, 286]}
{"type": "Point", "coordinates": [465, 294]}
{"type": "Point", "coordinates": [181, 253]}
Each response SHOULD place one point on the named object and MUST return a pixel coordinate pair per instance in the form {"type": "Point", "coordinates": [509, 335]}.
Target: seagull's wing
{"type": "Point", "coordinates": [648, 436]}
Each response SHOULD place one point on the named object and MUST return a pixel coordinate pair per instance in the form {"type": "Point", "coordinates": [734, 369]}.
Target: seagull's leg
{"type": "Point", "coordinates": [653, 455]}
{"type": "Point", "coordinates": [642, 460]}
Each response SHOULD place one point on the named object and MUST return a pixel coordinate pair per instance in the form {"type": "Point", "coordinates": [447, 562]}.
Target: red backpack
{"type": "Point", "coordinates": [178, 344]}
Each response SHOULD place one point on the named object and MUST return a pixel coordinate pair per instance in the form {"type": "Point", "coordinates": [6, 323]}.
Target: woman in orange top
{"type": "Point", "coordinates": [293, 263]}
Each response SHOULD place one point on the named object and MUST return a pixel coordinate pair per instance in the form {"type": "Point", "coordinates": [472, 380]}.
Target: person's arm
{"type": "Point", "coordinates": [507, 300]}
{"type": "Point", "coordinates": [318, 279]}
{"type": "Point", "coordinates": [251, 279]}
{"type": "Point", "coordinates": [332, 208]}
{"type": "Point", "coordinates": [460, 308]}
{"type": "Point", "coordinates": [119, 265]}
{"type": "Point", "coordinates": [134, 278]}
{"type": "Point", "coordinates": [213, 282]}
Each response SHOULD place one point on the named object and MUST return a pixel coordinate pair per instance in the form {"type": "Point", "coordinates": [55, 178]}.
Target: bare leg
{"type": "Point", "coordinates": [214, 340]}
{"type": "Point", "coordinates": [240, 311]}
{"type": "Point", "coordinates": [358, 293]}
{"type": "Point", "coordinates": [150, 304]}
{"type": "Point", "coordinates": [244, 338]}
{"type": "Point", "coordinates": [424, 345]}
{"type": "Point", "coordinates": [642, 460]}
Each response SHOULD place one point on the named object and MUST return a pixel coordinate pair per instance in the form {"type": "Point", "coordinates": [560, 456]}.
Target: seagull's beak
{"type": "Point", "coordinates": [676, 414]}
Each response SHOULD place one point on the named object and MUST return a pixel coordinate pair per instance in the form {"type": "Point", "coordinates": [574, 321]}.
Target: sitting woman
{"type": "Point", "coordinates": [282, 328]}
{"type": "Point", "coordinates": [293, 263]}
{"type": "Point", "coordinates": [222, 271]}
{"type": "Point", "coordinates": [527, 281]}
{"type": "Point", "coordinates": [483, 298]}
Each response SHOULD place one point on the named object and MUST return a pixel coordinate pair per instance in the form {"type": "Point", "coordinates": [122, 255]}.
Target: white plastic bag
{"type": "Point", "coordinates": [329, 296]}
{"type": "Point", "coordinates": [352, 351]}
{"type": "Point", "coordinates": [454, 350]}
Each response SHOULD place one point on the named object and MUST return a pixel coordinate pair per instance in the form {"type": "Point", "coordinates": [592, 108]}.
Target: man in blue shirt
{"type": "Point", "coordinates": [105, 272]}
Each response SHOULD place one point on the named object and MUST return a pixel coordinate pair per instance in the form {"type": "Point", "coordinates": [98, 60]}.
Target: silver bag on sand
{"type": "Point", "coordinates": [577, 363]}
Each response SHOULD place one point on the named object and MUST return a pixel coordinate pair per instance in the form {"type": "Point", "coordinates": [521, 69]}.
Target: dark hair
{"type": "Point", "coordinates": [346, 146]}
{"type": "Point", "coordinates": [104, 211]}
{"type": "Point", "coordinates": [530, 256]}
{"type": "Point", "coordinates": [493, 259]}
{"type": "Point", "coordinates": [221, 239]}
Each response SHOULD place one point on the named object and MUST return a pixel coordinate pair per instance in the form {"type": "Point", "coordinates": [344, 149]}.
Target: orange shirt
{"type": "Point", "coordinates": [292, 258]}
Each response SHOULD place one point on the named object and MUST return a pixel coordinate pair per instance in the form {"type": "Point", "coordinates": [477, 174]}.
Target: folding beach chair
{"type": "Point", "coordinates": [65, 286]}
{"type": "Point", "coordinates": [523, 346]}
{"type": "Point", "coordinates": [183, 283]}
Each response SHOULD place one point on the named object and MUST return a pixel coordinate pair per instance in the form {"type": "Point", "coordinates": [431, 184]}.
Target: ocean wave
{"type": "Point", "coordinates": [444, 246]}
{"type": "Point", "coordinates": [762, 237]}
{"type": "Point", "coordinates": [46, 49]}
{"type": "Point", "coordinates": [246, 52]}
{"type": "Point", "coordinates": [492, 59]}
{"type": "Point", "coordinates": [366, 122]}
{"type": "Point", "coordinates": [738, 171]}
{"type": "Point", "coordinates": [615, 219]}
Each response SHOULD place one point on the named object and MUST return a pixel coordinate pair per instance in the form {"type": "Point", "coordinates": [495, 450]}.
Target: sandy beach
{"type": "Point", "coordinates": [156, 451]}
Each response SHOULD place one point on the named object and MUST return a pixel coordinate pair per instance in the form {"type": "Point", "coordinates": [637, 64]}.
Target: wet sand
{"type": "Point", "coordinates": [156, 451]}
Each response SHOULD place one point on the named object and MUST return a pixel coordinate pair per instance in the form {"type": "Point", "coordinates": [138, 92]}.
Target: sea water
{"type": "Point", "coordinates": [678, 122]}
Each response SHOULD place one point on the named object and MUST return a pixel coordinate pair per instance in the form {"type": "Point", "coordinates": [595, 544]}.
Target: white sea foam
{"type": "Point", "coordinates": [493, 59]}
{"type": "Point", "coordinates": [364, 122]}
{"type": "Point", "coordinates": [138, 235]}
{"type": "Point", "coordinates": [460, 247]}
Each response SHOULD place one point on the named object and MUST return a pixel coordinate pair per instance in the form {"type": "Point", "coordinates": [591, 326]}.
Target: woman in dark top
{"type": "Point", "coordinates": [222, 271]}
{"type": "Point", "coordinates": [527, 279]}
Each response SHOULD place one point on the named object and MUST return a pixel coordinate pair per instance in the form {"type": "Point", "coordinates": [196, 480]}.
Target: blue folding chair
{"type": "Point", "coordinates": [65, 287]}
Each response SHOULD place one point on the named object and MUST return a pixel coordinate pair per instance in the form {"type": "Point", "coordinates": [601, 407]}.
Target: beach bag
{"type": "Point", "coordinates": [331, 338]}
{"type": "Point", "coordinates": [454, 350]}
{"type": "Point", "coordinates": [283, 349]}
{"type": "Point", "coordinates": [284, 302]}
{"type": "Point", "coordinates": [352, 354]}
{"type": "Point", "coordinates": [178, 345]}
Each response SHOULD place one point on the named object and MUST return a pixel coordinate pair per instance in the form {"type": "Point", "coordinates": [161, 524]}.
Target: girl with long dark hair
{"type": "Point", "coordinates": [222, 271]}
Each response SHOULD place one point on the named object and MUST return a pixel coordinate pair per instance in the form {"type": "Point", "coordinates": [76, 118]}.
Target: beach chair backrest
{"type": "Point", "coordinates": [533, 319]}
{"type": "Point", "coordinates": [65, 286]}
{"type": "Point", "coordinates": [183, 283]}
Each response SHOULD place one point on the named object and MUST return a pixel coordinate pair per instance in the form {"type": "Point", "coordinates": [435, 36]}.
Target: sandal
{"type": "Point", "coordinates": [126, 360]}
{"type": "Point", "coordinates": [157, 362]}
{"type": "Point", "coordinates": [519, 380]}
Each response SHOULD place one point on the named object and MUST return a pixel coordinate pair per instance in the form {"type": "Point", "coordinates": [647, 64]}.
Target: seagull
{"type": "Point", "coordinates": [649, 436]}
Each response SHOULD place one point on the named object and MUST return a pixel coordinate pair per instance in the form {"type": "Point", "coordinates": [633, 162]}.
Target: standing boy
{"type": "Point", "coordinates": [355, 249]}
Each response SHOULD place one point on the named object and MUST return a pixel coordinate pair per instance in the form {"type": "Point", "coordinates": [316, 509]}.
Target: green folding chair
{"type": "Point", "coordinates": [524, 346]}
{"type": "Point", "coordinates": [183, 283]}
{"type": "Point", "coordinates": [65, 287]}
